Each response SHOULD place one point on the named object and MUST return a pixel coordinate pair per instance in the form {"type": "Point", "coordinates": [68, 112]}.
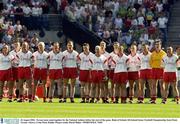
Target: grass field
{"type": "Point", "coordinates": [87, 110]}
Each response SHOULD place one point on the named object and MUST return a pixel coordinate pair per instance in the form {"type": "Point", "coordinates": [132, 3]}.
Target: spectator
{"type": "Point", "coordinates": [19, 14]}
{"type": "Point", "coordinates": [162, 23]}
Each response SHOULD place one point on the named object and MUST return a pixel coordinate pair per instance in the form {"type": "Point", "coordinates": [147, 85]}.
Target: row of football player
{"type": "Point", "coordinates": [95, 69]}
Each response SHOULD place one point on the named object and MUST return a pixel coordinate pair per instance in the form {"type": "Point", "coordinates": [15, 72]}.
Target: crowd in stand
{"type": "Point", "coordinates": [124, 21]}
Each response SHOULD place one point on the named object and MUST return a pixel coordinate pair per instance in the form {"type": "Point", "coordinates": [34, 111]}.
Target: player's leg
{"type": "Point", "coordinates": [87, 91]}
{"type": "Point", "coordinates": [83, 91]}
{"type": "Point", "coordinates": [1, 90]}
{"type": "Point", "coordinates": [97, 92]}
{"type": "Point", "coordinates": [166, 92]}
{"type": "Point", "coordinates": [44, 90]}
{"type": "Point", "coordinates": [112, 91]}
{"type": "Point", "coordinates": [141, 90]}
{"type": "Point", "coordinates": [154, 91]}
{"type": "Point", "coordinates": [29, 83]}
{"type": "Point", "coordinates": [60, 89]}
{"type": "Point", "coordinates": [131, 90]}
{"type": "Point", "coordinates": [72, 89]}
{"type": "Point", "coordinates": [21, 90]}
{"type": "Point", "coordinates": [93, 92]}
{"type": "Point", "coordinates": [117, 90]}
{"type": "Point", "coordinates": [65, 84]}
{"type": "Point", "coordinates": [106, 91]}
{"type": "Point", "coordinates": [103, 91]}
{"type": "Point", "coordinates": [123, 92]}
{"type": "Point", "coordinates": [35, 88]}
{"type": "Point", "coordinates": [10, 92]}
{"type": "Point", "coordinates": [149, 81]}
{"type": "Point", "coordinates": [174, 85]}
{"type": "Point", "coordinates": [51, 90]}
{"type": "Point", "coordinates": [162, 87]}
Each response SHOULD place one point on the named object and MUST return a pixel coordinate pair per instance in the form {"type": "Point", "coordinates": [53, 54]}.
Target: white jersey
{"type": "Point", "coordinates": [145, 61]}
{"type": "Point", "coordinates": [25, 59]}
{"type": "Point", "coordinates": [133, 63]}
{"type": "Point", "coordinates": [99, 63]}
{"type": "Point", "coordinates": [170, 63]}
{"type": "Point", "coordinates": [107, 56]}
{"type": "Point", "coordinates": [110, 60]}
{"type": "Point", "coordinates": [40, 59]}
{"type": "Point", "coordinates": [85, 61]}
{"type": "Point", "coordinates": [120, 63]}
{"type": "Point", "coordinates": [15, 61]}
{"type": "Point", "coordinates": [55, 60]}
{"type": "Point", "coordinates": [70, 60]}
{"type": "Point", "coordinates": [5, 61]}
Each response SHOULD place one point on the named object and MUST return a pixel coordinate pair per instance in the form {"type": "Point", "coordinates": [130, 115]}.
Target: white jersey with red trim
{"type": "Point", "coordinates": [40, 59]}
{"type": "Point", "coordinates": [55, 60]}
{"type": "Point", "coordinates": [15, 61]}
{"type": "Point", "coordinates": [170, 63]}
{"type": "Point", "coordinates": [133, 63]}
{"type": "Point", "coordinates": [120, 63]}
{"type": "Point", "coordinates": [25, 59]}
{"type": "Point", "coordinates": [107, 56]}
{"type": "Point", "coordinates": [99, 63]}
{"type": "Point", "coordinates": [70, 59]}
{"type": "Point", "coordinates": [6, 61]}
{"type": "Point", "coordinates": [145, 61]}
{"type": "Point", "coordinates": [110, 62]}
{"type": "Point", "coordinates": [85, 61]}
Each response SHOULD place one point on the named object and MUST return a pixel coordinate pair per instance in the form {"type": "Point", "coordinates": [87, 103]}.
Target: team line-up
{"type": "Point", "coordinates": [21, 66]}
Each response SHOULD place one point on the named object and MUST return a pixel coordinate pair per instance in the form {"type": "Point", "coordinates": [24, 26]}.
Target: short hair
{"type": "Point", "coordinates": [86, 44]}
{"type": "Point", "coordinates": [97, 47]}
{"type": "Point", "coordinates": [103, 42]}
{"type": "Point", "coordinates": [42, 43]}
{"type": "Point", "coordinates": [56, 43]}
{"type": "Point", "coordinates": [70, 41]}
{"type": "Point", "coordinates": [116, 43]}
{"type": "Point", "coordinates": [157, 41]}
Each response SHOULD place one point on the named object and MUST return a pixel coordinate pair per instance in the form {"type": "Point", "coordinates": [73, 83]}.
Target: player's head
{"type": "Point", "coordinates": [169, 51]}
{"type": "Point", "coordinates": [133, 48]}
{"type": "Point", "coordinates": [86, 47]}
{"type": "Point", "coordinates": [25, 47]}
{"type": "Point", "coordinates": [17, 45]}
{"type": "Point", "coordinates": [5, 50]}
{"type": "Point", "coordinates": [97, 50]}
{"type": "Point", "coordinates": [178, 50]}
{"type": "Point", "coordinates": [120, 49]}
{"type": "Point", "coordinates": [56, 47]}
{"type": "Point", "coordinates": [70, 45]}
{"type": "Point", "coordinates": [145, 48]}
{"type": "Point", "coordinates": [41, 46]}
{"type": "Point", "coordinates": [116, 46]}
{"type": "Point", "coordinates": [102, 45]}
{"type": "Point", "coordinates": [157, 44]}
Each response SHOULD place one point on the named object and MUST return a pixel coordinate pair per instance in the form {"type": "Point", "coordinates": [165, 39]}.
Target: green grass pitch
{"type": "Point", "coordinates": [87, 110]}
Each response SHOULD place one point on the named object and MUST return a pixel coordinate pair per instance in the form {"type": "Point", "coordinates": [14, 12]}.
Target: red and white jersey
{"type": "Point", "coordinates": [133, 63]}
{"type": "Point", "coordinates": [99, 63]}
{"type": "Point", "coordinates": [170, 63]}
{"type": "Point", "coordinates": [107, 56]}
{"type": "Point", "coordinates": [25, 59]}
{"type": "Point", "coordinates": [85, 61]}
{"type": "Point", "coordinates": [110, 60]}
{"type": "Point", "coordinates": [70, 60]}
{"type": "Point", "coordinates": [55, 60]}
{"type": "Point", "coordinates": [40, 59]}
{"type": "Point", "coordinates": [120, 63]}
{"type": "Point", "coordinates": [15, 61]}
{"type": "Point", "coordinates": [145, 61]}
{"type": "Point", "coordinates": [6, 61]}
